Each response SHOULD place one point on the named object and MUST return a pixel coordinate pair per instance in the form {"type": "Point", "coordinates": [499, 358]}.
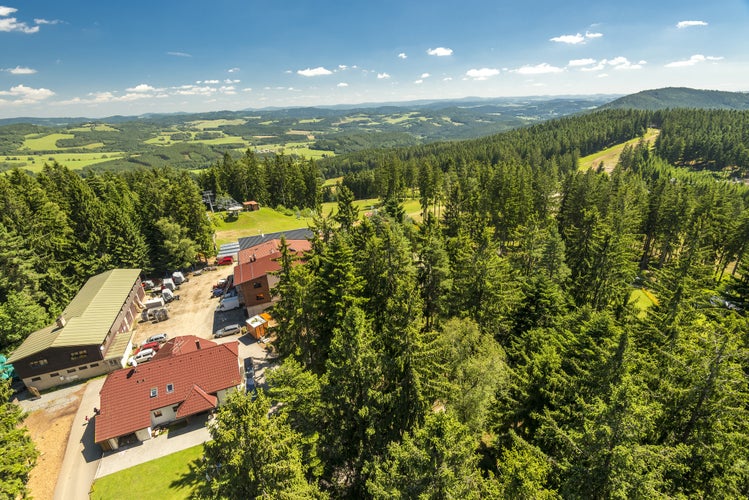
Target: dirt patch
{"type": "Point", "coordinates": [50, 428]}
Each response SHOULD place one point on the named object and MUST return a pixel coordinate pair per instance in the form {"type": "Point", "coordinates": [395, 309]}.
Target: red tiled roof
{"type": "Point", "coordinates": [182, 345]}
{"type": "Point", "coordinates": [270, 247]}
{"type": "Point", "coordinates": [196, 402]}
{"type": "Point", "coordinates": [126, 400]}
{"type": "Point", "coordinates": [254, 270]}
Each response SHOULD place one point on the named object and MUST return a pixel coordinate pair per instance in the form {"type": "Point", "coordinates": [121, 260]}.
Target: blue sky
{"type": "Point", "coordinates": [102, 58]}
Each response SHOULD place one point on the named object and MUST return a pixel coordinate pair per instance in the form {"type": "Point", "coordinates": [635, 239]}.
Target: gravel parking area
{"type": "Point", "coordinates": [195, 311]}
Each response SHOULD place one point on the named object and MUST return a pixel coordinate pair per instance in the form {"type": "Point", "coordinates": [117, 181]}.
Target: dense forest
{"type": "Point", "coordinates": [492, 349]}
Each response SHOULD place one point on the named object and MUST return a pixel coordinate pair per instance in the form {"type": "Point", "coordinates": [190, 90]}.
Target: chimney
{"type": "Point", "coordinates": [197, 344]}
{"type": "Point", "coordinates": [60, 321]}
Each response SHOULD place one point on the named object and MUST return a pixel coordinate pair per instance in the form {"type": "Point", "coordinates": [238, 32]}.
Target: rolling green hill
{"type": "Point", "coordinates": [681, 97]}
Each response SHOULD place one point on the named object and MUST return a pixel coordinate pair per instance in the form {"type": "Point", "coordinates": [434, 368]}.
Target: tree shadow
{"type": "Point", "coordinates": [190, 482]}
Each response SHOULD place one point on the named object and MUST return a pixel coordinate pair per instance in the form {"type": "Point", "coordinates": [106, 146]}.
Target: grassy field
{"type": "Point", "coordinates": [94, 127]}
{"type": "Point", "coordinates": [267, 220]}
{"type": "Point", "coordinates": [610, 156]}
{"type": "Point", "coordinates": [74, 161]}
{"type": "Point", "coordinates": [152, 479]}
{"type": "Point", "coordinates": [44, 143]}
{"type": "Point", "coordinates": [204, 124]}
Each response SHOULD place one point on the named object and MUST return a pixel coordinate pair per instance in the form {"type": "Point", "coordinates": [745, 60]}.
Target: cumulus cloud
{"type": "Point", "coordinates": [18, 70]}
{"type": "Point", "coordinates": [689, 24]}
{"type": "Point", "coordinates": [141, 88]}
{"type": "Point", "coordinates": [179, 54]}
{"type": "Point", "coordinates": [576, 38]}
{"type": "Point", "coordinates": [12, 24]}
{"type": "Point", "coordinates": [21, 94]}
{"type": "Point", "coordinates": [402, 55]}
{"type": "Point", "coordinates": [232, 70]}
{"type": "Point", "coordinates": [418, 82]}
{"type": "Point", "coordinates": [581, 62]}
{"type": "Point", "coordinates": [538, 69]}
{"type": "Point", "coordinates": [229, 81]}
{"type": "Point", "coordinates": [695, 59]}
{"type": "Point", "coordinates": [382, 76]}
{"type": "Point", "coordinates": [440, 52]}
{"type": "Point", "coordinates": [342, 84]}
{"type": "Point", "coordinates": [620, 63]}
{"type": "Point", "coordinates": [425, 75]}
{"type": "Point", "coordinates": [319, 71]}
{"type": "Point", "coordinates": [482, 73]}
{"type": "Point", "coordinates": [247, 89]}
{"type": "Point", "coordinates": [342, 67]}
{"type": "Point", "coordinates": [6, 11]}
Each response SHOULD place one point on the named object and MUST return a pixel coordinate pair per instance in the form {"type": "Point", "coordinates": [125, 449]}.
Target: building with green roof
{"type": "Point", "coordinates": [92, 336]}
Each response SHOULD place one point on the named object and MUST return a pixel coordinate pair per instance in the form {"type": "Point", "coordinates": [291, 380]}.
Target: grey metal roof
{"type": "Point", "coordinates": [293, 234]}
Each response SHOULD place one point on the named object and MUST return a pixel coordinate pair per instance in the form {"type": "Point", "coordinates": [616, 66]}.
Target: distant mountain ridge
{"type": "Point", "coordinates": [681, 97]}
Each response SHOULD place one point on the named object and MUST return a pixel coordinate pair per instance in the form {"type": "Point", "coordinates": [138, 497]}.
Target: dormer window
{"type": "Point", "coordinates": [154, 392]}
{"type": "Point", "coordinates": [169, 388]}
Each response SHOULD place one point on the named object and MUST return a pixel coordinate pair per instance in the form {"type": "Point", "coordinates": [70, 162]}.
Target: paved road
{"type": "Point", "coordinates": [82, 454]}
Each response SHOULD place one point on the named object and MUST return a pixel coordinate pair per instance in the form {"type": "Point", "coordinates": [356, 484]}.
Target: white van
{"type": "Point", "coordinates": [143, 356]}
{"type": "Point", "coordinates": [228, 304]}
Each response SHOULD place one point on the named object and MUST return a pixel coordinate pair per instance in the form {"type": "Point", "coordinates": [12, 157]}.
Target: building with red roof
{"type": "Point", "coordinates": [253, 275]}
{"type": "Point", "coordinates": [189, 376]}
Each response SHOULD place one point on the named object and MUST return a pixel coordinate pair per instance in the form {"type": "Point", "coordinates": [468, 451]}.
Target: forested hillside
{"type": "Point", "coordinates": [680, 97]}
{"type": "Point", "coordinates": [494, 349]}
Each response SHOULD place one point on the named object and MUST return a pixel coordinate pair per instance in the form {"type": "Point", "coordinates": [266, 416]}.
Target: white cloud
{"type": "Point", "coordinates": [195, 90]}
{"type": "Point", "coordinates": [141, 88]}
{"type": "Point", "coordinates": [538, 69]}
{"type": "Point", "coordinates": [425, 75]}
{"type": "Point", "coordinates": [179, 54]}
{"type": "Point", "coordinates": [688, 24]}
{"type": "Point", "coordinates": [6, 11]}
{"type": "Point", "coordinates": [402, 55]}
{"type": "Point", "coordinates": [418, 82]}
{"type": "Point", "coordinates": [12, 24]}
{"type": "Point", "coordinates": [624, 63]}
{"type": "Point", "coordinates": [247, 89]}
{"type": "Point", "coordinates": [229, 81]}
{"type": "Point", "coordinates": [382, 76]}
{"type": "Point", "coordinates": [482, 74]}
{"type": "Point", "coordinates": [47, 21]}
{"type": "Point", "coordinates": [228, 90]}
{"type": "Point", "coordinates": [342, 84]}
{"type": "Point", "coordinates": [571, 39]}
{"type": "Point", "coordinates": [447, 79]}
{"type": "Point", "coordinates": [208, 82]}
{"type": "Point", "coordinates": [695, 59]}
{"type": "Point", "coordinates": [319, 71]}
{"type": "Point", "coordinates": [576, 38]}
{"type": "Point", "coordinates": [342, 67]}
{"type": "Point", "coordinates": [232, 70]}
{"type": "Point", "coordinates": [440, 52]}
{"type": "Point", "coordinates": [26, 95]}
{"type": "Point", "coordinates": [581, 62]}
{"type": "Point", "coordinates": [18, 70]}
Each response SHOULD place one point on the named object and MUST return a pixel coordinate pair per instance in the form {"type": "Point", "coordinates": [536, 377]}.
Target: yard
{"type": "Point", "coordinates": [164, 478]}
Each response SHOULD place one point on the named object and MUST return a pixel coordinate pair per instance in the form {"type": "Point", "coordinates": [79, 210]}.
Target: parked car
{"type": "Point", "coordinates": [143, 356]}
{"type": "Point", "coordinates": [227, 330]}
{"type": "Point", "coordinates": [226, 260]}
{"type": "Point", "coordinates": [151, 345]}
{"type": "Point", "coordinates": [217, 292]}
{"type": "Point", "coordinates": [159, 337]}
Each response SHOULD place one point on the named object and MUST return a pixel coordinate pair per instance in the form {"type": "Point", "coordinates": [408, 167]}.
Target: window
{"type": "Point", "coordinates": [154, 392]}
{"type": "Point", "coordinates": [36, 379]}
{"type": "Point", "coordinates": [82, 367]}
{"type": "Point", "coordinates": [257, 284]}
{"type": "Point", "coordinates": [169, 388]}
{"type": "Point", "coordinates": [93, 365]}
{"type": "Point", "coordinates": [260, 296]}
{"type": "Point", "coordinates": [72, 370]}
{"type": "Point", "coordinates": [157, 413]}
{"type": "Point", "coordinates": [38, 363]}
{"type": "Point", "coordinates": [77, 355]}
{"type": "Point", "coordinates": [56, 374]}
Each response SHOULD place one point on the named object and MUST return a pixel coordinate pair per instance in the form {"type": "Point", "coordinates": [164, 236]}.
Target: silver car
{"type": "Point", "coordinates": [227, 330]}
